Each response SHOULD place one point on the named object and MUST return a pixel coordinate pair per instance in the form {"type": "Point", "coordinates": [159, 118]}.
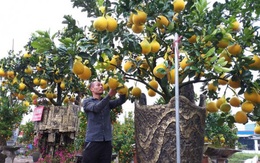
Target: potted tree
{"type": "Point", "coordinates": [12, 112]}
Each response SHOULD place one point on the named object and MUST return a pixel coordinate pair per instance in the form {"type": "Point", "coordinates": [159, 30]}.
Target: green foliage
{"type": "Point", "coordinates": [123, 139]}
{"type": "Point", "coordinates": [217, 128]}
{"type": "Point", "coordinates": [28, 133]}
{"type": "Point", "coordinates": [49, 60]}
{"type": "Point", "coordinates": [241, 157]}
{"type": "Point", "coordinates": [12, 112]}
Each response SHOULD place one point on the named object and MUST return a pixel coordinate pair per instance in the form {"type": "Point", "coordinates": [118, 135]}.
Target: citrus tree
{"type": "Point", "coordinates": [12, 112]}
{"type": "Point", "coordinates": [133, 41]}
{"type": "Point", "coordinates": [28, 133]}
{"type": "Point", "coordinates": [123, 138]}
{"type": "Point", "coordinates": [46, 73]}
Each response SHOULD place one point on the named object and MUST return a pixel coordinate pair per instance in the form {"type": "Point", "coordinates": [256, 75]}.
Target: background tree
{"type": "Point", "coordinates": [123, 139]}
{"type": "Point", "coordinates": [12, 112]}
{"type": "Point", "coordinates": [28, 133]}
{"type": "Point", "coordinates": [45, 73]}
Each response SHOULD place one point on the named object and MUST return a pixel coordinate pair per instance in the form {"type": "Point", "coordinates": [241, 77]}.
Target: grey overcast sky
{"type": "Point", "coordinates": [20, 18]}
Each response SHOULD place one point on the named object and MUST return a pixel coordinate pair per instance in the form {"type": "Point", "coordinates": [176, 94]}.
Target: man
{"type": "Point", "coordinates": [98, 146]}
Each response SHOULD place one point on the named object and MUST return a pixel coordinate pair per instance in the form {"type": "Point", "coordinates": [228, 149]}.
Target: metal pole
{"type": "Point", "coordinates": [177, 118]}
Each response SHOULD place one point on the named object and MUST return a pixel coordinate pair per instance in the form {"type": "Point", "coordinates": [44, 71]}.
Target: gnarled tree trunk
{"type": "Point", "coordinates": [156, 133]}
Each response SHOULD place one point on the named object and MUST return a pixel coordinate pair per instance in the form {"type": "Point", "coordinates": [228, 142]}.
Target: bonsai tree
{"type": "Point", "coordinates": [133, 41]}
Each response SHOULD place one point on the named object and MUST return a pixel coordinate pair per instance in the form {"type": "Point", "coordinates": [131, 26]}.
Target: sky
{"type": "Point", "coordinates": [20, 18]}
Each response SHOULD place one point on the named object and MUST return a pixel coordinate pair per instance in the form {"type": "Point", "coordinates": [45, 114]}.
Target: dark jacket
{"type": "Point", "coordinates": [98, 115]}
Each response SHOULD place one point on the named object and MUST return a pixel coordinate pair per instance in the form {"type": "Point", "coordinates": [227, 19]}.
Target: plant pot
{"type": "Point", "coordinates": [35, 156]}
{"type": "Point", "coordinates": [156, 132]}
{"type": "Point", "coordinates": [220, 154]}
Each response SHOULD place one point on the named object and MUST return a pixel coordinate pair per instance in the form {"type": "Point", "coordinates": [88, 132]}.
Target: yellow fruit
{"type": "Point", "coordinates": [111, 24]}
{"type": "Point", "coordinates": [22, 86]}
{"type": "Point", "coordinates": [171, 76]}
{"type": "Point", "coordinates": [234, 83]}
{"type": "Point", "coordinates": [146, 47]}
{"type": "Point", "coordinates": [222, 139]}
{"type": "Point", "coordinates": [136, 91]}
{"type": "Point", "coordinates": [20, 96]}
{"type": "Point", "coordinates": [10, 74]}
{"type": "Point", "coordinates": [112, 64]}
{"type": "Point", "coordinates": [192, 39]}
{"type": "Point", "coordinates": [234, 101]}
{"type": "Point", "coordinates": [34, 96]}
{"type": "Point", "coordinates": [113, 83]}
{"type": "Point", "coordinates": [49, 95]}
{"type": "Point", "coordinates": [86, 74]}
{"type": "Point", "coordinates": [27, 55]}
{"type": "Point", "coordinates": [257, 129]}
{"type": "Point", "coordinates": [78, 68]}
{"type": "Point", "coordinates": [162, 21]}
{"type": "Point", "coordinates": [2, 72]}
{"type": "Point", "coordinates": [151, 93]}
{"type": "Point", "coordinates": [212, 87]}
{"type": "Point", "coordinates": [137, 28]}
{"type": "Point", "coordinates": [105, 86]}
{"type": "Point", "coordinates": [66, 100]}
{"type": "Point", "coordinates": [223, 43]}
{"type": "Point", "coordinates": [63, 85]}
{"type": "Point", "coordinates": [235, 26]}
{"type": "Point", "coordinates": [184, 63]}
{"type": "Point", "coordinates": [123, 90]}
{"type": "Point", "coordinates": [43, 86]}
{"type": "Point", "coordinates": [139, 18]}
{"type": "Point", "coordinates": [225, 55]}
{"type": "Point", "coordinates": [252, 96]}
{"type": "Point", "coordinates": [39, 68]}
{"type": "Point", "coordinates": [100, 23]}
{"type": "Point", "coordinates": [175, 17]}
{"type": "Point", "coordinates": [225, 107]}
{"type": "Point", "coordinates": [130, 20]}
{"type": "Point", "coordinates": [155, 46]}
{"type": "Point", "coordinates": [234, 49]}
{"type": "Point", "coordinates": [159, 71]}
{"type": "Point", "coordinates": [43, 82]}
{"type": "Point", "coordinates": [222, 81]}
{"type": "Point", "coordinates": [178, 5]}
{"type": "Point", "coordinates": [256, 64]}
{"type": "Point", "coordinates": [154, 84]}
{"type": "Point", "coordinates": [128, 66]}
{"type": "Point", "coordinates": [211, 107]}
{"type": "Point", "coordinates": [241, 117]}
{"type": "Point", "coordinates": [102, 9]}
{"type": "Point", "coordinates": [144, 65]}
{"type": "Point", "coordinates": [206, 139]}
{"type": "Point", "coordinates": [220, 101]}
{"type": "Point", "coordinates": [247, 106]}
{"type": "Point", "coordinates": [72, 99]}
{"type": "Point", "coordinates": [28, 70]}
{"type": "Point", "coordinates": [36, 81]}
{"type": "Point", "coordinates": [26, 103]}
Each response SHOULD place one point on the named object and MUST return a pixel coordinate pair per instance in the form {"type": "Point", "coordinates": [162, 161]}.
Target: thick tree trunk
{"type": "Point", "coordinates": [155, 132]}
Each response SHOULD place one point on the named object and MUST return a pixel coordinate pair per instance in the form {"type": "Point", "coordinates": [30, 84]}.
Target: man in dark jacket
{"type": "Point", "coordinates": [98, 146]}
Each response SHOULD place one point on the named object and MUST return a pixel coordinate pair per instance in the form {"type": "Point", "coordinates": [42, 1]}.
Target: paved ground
{"type": "Point", "coordinates": [23, 159]}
